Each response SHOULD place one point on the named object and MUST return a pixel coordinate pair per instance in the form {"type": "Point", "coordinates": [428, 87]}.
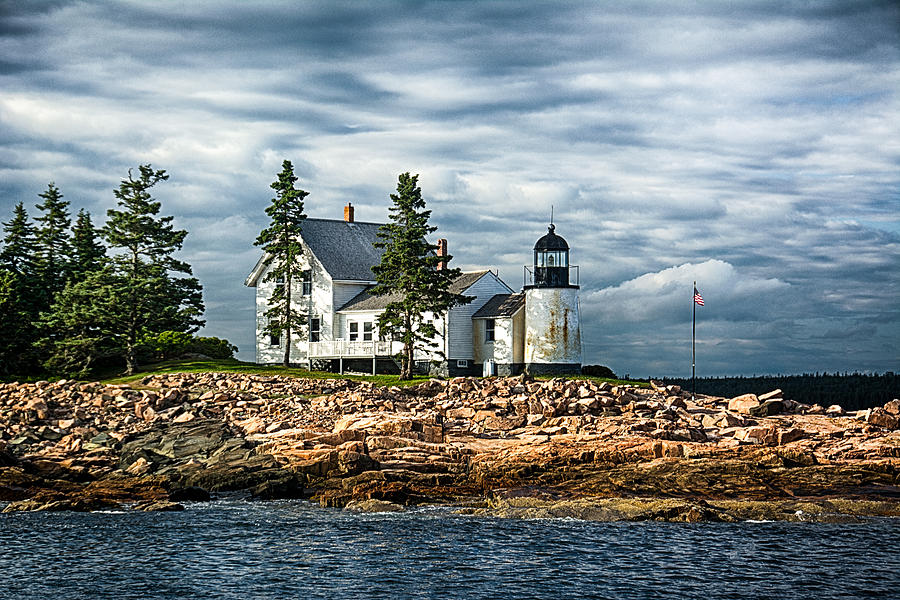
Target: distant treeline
{"type": "Point", "coordinates": [851, 391]}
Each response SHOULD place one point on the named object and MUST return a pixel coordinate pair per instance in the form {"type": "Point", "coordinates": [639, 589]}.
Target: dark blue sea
{"type": "Point", "coordinates": [239, 550]}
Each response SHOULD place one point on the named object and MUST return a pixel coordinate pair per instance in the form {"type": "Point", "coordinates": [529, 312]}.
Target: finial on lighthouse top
{"type": "Point", "coordinates": [551, 241]}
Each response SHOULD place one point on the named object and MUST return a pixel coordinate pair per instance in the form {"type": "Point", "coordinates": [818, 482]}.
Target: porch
{"type": "Point", "coordinates": [342, 349]}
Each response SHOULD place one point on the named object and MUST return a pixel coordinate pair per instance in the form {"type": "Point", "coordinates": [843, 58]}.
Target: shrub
{"type": "Point", "coordinates": [212, 347]}
{"type": "Point", "coordinates": [165, 344]}
{"type": "Point", "coordinates": [598, 371]}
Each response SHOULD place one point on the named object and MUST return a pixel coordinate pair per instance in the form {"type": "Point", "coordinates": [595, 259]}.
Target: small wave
{"type": "Point", "coordinates": [759, 521]}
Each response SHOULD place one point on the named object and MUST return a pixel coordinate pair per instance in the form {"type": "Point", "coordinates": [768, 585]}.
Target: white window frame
{"type": "Point", "coordinates": [306, 282]}
{"type": "Point", "coordinates": [490, 327]}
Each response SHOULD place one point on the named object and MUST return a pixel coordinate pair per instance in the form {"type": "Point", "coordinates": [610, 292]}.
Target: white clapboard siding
{"type": "Point", "coordinates": [344, 292]}
{"type": "Point", "coordinates": [460, 318]}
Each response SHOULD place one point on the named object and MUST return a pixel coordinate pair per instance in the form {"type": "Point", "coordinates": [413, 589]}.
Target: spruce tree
{"type": "Point", "coordinates": [408, 269]}
{"type": "Point", "coordinates": [16, 331]}
{"type": "Point", "coordinates": [88, 253]}
{"type": "Point", "coordinates": [19, 244]}
{"type": "Point", "coordinates": [148, 294]}
{"type": "Point", "coordinates": [53, 244]}
{"type": "Point", "coordinates": [19, 289]}
{"type": "Point", "coordinates": [281, 243]}
{"type": "Point", "coordinates": [85, 324]}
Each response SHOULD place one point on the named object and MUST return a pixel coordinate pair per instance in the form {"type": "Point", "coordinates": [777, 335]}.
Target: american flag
{"type": "Point", "coordinates": [698, 299]}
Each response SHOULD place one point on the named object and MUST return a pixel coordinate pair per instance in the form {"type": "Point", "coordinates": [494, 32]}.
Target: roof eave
{"type": "Point", "coordinates": [253, 277]}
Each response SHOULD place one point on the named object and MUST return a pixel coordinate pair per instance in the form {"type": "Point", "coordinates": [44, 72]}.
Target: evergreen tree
{"type": "Point", "coordinates": [408, 269]}
{"type": "Point", "coordinates": [18, 290]}
{"type": "Point", "coordinates": [16, 331]}
{"type": "Point", "coordinates": [147, 292]}
{"type": "Point", "coordinates": [53, 245]}
{"type": "Point", "coordinates": [88, 253]}
{"type": "Point", "coordinates": [281, 243]}
{"type": "Point", "coordinates": [19, 244]}
{"type": "Point", "coordinates": [84, 324]}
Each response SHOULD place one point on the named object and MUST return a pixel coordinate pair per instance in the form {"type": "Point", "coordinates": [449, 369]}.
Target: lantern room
{"type": "Point", "coordinates": [551, 261]}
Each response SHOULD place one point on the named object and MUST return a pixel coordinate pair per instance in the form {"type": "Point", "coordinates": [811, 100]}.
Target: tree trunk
{"type": "Point", "coordinates": [408, 349]}
{"type": "Point", "coordinates": [131, 341]}
{"type": "Point", "coordinates": [287, 318]}
{"type": "Point", "coordinates": [130, 362]}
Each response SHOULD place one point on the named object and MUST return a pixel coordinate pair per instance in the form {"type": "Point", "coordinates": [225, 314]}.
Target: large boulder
{"type": "Point", "coordinates": [768, 408]}
{"type": "Point", "coordinates": [742, 404]}
{"type": "Point", "coordinates": [882, 418]}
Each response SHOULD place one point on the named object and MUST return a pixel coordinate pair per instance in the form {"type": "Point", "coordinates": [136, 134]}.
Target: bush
{"type": "Point", "coordinates": [163, 345]}
{"type": "Point", "coordinates": [212, 347]}
{"type": "Point", "coordinates": [172, 344]}
{"type": "Point", "coordinates": [598, 371]}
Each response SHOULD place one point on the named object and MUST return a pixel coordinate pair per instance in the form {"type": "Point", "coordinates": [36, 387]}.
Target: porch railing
{"type": "Point", "coordinates": [337, 348]}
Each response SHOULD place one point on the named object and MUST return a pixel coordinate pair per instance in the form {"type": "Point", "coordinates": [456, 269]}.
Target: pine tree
{"type": "Point", "coordinates": [18, 289]}
{"type": "Point", "coordinates": [281, 243]}
{"type": "Point", "coordinates": [16, 331]}
{"type": "Point", "coordinates": [147, 292]}
{"type": "Point", "coordinates": [408, 269]}
{"type": "Point", "coordinates": [88, 253]}
{"type": "Point", "coordinates": [19, 244]}
{"type": "Point", "coordinates": [53, 245]}
{"type": "Point", "coordinates": [84, 324]}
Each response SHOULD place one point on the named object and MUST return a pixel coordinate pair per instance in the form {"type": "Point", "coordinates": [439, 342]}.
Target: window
{"type": "Point", "coordinates": [489, 330]}
{"type": "Point", "coordinates": [367, 331]}
{"type": "Point", "coordinates": [354, 331]}
{"type": "Point", "coordinates": [315, 327]}
{"type": "Point", "coordinates": [462, 364]}
{"type": "Point", "coordinates": [551, 258]}
{"type": "Point", "coordinates": [274, 340]}
{"type": "Point", "coordinates": [306, 281]}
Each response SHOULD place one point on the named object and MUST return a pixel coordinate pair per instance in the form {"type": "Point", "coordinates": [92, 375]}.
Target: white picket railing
{"type": "Point", "coordinates": [336, 348]}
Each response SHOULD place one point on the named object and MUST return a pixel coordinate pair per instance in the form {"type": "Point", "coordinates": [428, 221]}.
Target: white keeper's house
{"type": "Point", "coordinates": [500, 332]}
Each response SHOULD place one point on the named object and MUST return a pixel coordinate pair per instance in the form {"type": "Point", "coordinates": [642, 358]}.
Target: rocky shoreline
{"type": "Point", "coordinates": [508, 447]}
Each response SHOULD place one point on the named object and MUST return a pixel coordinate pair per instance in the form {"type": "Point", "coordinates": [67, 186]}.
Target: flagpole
{"type": "Point", "coordinates": [694, 342]}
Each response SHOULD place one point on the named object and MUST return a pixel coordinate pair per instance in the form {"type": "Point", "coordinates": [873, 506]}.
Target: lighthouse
{"type": "Point", "coordinates": [552, 325]}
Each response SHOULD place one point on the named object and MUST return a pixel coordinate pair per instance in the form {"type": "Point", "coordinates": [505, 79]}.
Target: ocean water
{"type": "Point", "coordinates": [232, 549]}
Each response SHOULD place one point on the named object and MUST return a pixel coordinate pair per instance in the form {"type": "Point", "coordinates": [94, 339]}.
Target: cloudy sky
{"type": "Point", "coordinates": [751, 146]}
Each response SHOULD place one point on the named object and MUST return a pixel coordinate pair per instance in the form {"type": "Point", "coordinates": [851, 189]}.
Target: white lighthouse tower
{"type": "Point", "coordinates": [552, 325]}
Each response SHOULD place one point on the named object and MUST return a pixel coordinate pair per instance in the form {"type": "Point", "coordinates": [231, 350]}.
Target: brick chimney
{"type": "Point", "coordinates": [442, 251]}
{"type": "Point", "coordinates": [348, 213]}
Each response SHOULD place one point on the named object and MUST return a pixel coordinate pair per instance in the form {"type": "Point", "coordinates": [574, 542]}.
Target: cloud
{"type": "Point", "coordinates": [666, 295]}
{"type": "Point", "coordinates": [749, 145]}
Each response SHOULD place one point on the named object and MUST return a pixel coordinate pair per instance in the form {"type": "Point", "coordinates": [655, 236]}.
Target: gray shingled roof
{"type": "Point", "coordinates": [501, 305]}
{"type": "Point", "coordinates": [346, 250]}
{"type": "Point", "coordinates": [366, 301]}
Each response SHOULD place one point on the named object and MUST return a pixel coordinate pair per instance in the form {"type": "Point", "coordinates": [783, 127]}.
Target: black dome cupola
{"type": "Point", "coordinates": [551, 260]}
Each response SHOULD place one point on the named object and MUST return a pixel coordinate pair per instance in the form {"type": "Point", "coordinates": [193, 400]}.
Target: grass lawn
{"type": "Point", "coordinates": [236, 366]}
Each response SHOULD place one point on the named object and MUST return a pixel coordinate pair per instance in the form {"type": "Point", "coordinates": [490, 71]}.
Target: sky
{"type": "Point", "coordinates": [751, 146]}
